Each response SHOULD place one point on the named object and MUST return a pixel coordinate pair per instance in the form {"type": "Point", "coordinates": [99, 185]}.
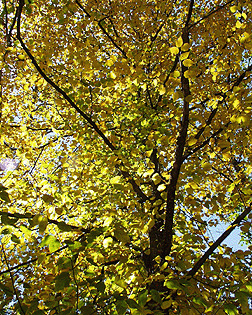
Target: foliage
{"type": "Point", "coordinates": [131, 122]}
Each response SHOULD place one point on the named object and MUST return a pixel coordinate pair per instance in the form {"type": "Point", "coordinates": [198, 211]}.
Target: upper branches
{"type": "Point", "coordinates": [103, 30]}
{"type": "Point", "coordinates": [65, 96]}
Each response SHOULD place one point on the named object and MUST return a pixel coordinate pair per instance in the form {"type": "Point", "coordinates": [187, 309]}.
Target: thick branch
{"type": "Point", "coordinates": [212, 248]}
{"type": "Point", "coordinates": [55, 86]}
{"type": "Point", "coordinates": [171, 189]}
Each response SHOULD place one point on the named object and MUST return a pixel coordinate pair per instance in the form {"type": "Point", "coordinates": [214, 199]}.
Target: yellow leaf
{"type": "Point", "coordinates": [156, 178]}
{"type": "Point", "coordinates": [148, 173]}
{"type": "Point", "coordinates": [187, 62]}
{"type": "Point", "coordinates": [21, 57]}
{"type": "Point", "coordinates": [192, 141]}
{"type": "Point", "coordinates": [176, 74]}
{"type": "Point", "coordinates": [187, 74]}
{"type": "Point", "coordinates": [236, 103]}
{"type": "Point", "coordinates": [238, 24]}
{"type": "Point", "coordinates": [188, 98]}
{"type": "Point", "coordinates": [149, 225]}
{"type": "Point", "coordinates": [112, 75]}
{"type": "Point", "coordinates": [115, 180]}
{"type": "Point", "coordinates": [155, 82]}
{"type": "Point", "coordinates": [184, 55]}
{"type": "Point", "coordinates": [109, 62]}
{"type": "Point", "coordinates": [185, 47]}
{"type": "Point", "coordinates": [177, 95]}
{"type": "Point", "coordinates": [161, 90]}
{"type": "Point", "coordinates": [107, 241]}
{"type": "Point", "coordinates": [161, 187]}
{"type": "Point", "coordinates": [244, 37]}
{"type": "Point", "coordinates": [179, 42]}
{"type": "Point", "coordinates": [174, 50]}
{"type": "Point", "coordinates": [233, 9]}
{"type": "Point", "coordinates": [241, 119]}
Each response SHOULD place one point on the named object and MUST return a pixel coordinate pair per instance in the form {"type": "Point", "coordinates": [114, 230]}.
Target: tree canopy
{"type": "Point", "coordinates": [126, 138]}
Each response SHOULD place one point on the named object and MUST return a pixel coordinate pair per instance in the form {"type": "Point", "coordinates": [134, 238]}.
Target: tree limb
{"type": "Point", "coordinates": [178, 161]}
{"type": "Point", "coordinates": [212, 248]}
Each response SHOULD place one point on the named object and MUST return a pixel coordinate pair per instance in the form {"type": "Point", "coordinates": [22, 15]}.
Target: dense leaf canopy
{"type": "Point", "coordinates": [126, 138]}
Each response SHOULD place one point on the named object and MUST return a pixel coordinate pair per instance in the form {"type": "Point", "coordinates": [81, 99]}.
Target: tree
{"type": "Point", "coordinates": [131, 124]}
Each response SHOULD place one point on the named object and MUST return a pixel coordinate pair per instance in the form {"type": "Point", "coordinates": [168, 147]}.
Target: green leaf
{"type": "Point", "coordinates": [64, 227]}
{"type": "Point", "coordinates": [142, 298]}
{"type": "Point", "coordinates": [156, 296]}
{"type": "Point", "coordinates": [166, 304]}
{"type": "Point", "coordinates": [8, 291]}
{"type": "Point", "coordinates": [64, 263]}
{"type": "Point", "coordinates": [51, 241]}
{"type": "Point", "coordinates": [230, 309]}
{"type": "Point", "coordinates": [173, 284]}
{"type": "Point", "coordinates": [100, 286]}
{"type": "Point", "coordinates": [199, 300]}
{"type": "Point", "coordinates": [88, 310]}
{"type": "Point", "coordinates": [15, 239]}
{"type": "Point", "coordinates": [6, 220]}
{"type": "Point", "coordinates": [43, 221]}
{"type": "Point", "coordinates": [5, 196]}
{"type": "Point", "coordinates": [249, 287]}
{"type": "Point", "coordinates": [6, 231]}
{"type": "Point", "coordinates": [62, 281]}
{"type": "Point", "coordinates": [133, 304]}
{"type": "Point", "coordinates": [2, 188]}
{"type": "Point", "coordinates": [121, 307]}
{"type": "Point", "coordinates": [121, 234]}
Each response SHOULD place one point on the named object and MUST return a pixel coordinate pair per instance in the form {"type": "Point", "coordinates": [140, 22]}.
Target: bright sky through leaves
{"type": "Point", "coordinates": [125, 139]}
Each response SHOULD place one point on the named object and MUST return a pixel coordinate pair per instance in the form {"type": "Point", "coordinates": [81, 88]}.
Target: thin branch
{"type": "Point", "coordinates": [241, 77]}
{"type": "Point", "coordinates": [174, 66]}
{"type": "Point", "coordinates": [35, 259]}
{"type": "Point", "coordinates": [12, 281]}
{"type": "Point", "coordinates": [12, 26]}
{"type": "Point", "coordinates": [211, 13]}
{"type": "Point", "coordinates": [172, 69]}
{"type": "Point", "coordinates": [136, 188]}
{"type": "Point", "coordinates": [6, 22]}
{"type": "Point", "coordinates": [30, 216]}
{"type": "Point", "coordinates": [212, 248]}
{"type": "Point", "coordinates": [208, 122]}
{"type": "Point", "coordinates": [204, 143]}
{"type": "Point", "coordinates": [36, 161]}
